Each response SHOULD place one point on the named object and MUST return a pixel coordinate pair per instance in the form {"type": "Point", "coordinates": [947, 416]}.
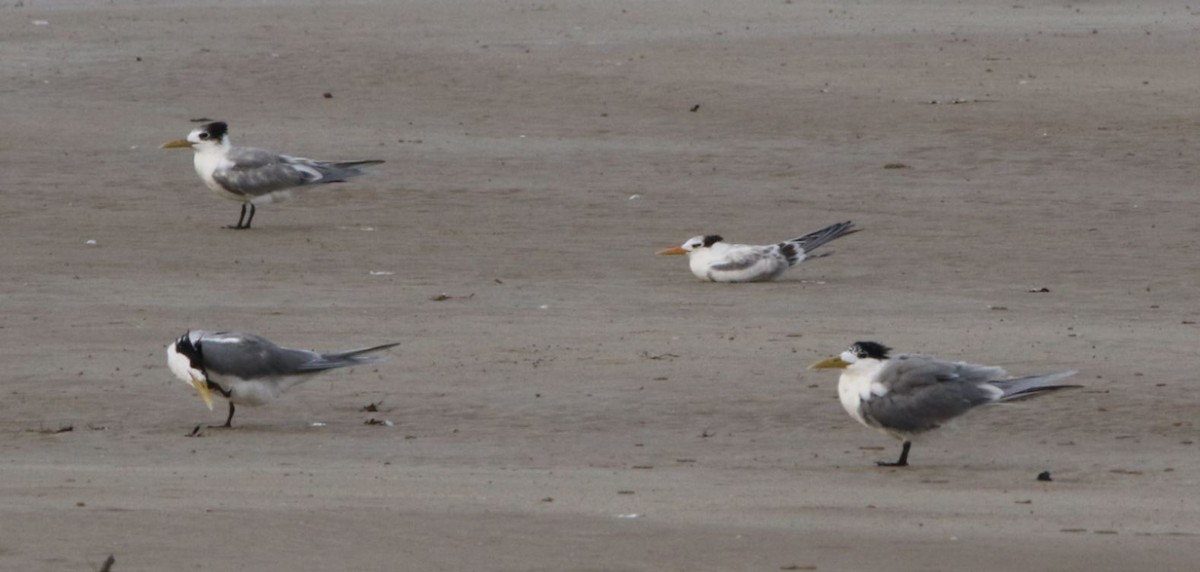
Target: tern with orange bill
{"type": "Point", "coordinates": [713, 259]}
{"type": "Point", "coordinates": [247, 369]}
{"type": "Point", "coordinates": [909, 394]}
{"type": "Point", "coordinates": [256, 176]}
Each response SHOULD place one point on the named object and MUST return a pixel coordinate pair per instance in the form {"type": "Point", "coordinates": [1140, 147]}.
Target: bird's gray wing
{"type": "Point", "coordinates": [258, 172]}
{"type": "Point", "coordinates": [924, 392]}
{"type": "Point", "coordinates": [248, 356]}
{"type": "Point", "coordinates": [751, 259]}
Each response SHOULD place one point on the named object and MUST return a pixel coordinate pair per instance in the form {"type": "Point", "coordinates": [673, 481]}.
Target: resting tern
{"type": "Point", "coordinates": [910, 394]}
{"type": "Point", "coordinates": [247, 369]}
{"type": "Point", "coordinates": [713, 259]}
{"type": "Point", "coordinates": [256, 176]}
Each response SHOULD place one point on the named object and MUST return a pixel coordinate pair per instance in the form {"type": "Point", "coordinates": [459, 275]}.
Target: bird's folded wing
{"type": "Point", "coordinates": [921, 392]}
{"type": "Point", "coordinates": [750, 259]}
{"type": "Point", "coordinates": [249, 356]}
{"type": "Point", "coordinates": [924, 408]}
{"type": "Point", "coordinates": [257, 172]}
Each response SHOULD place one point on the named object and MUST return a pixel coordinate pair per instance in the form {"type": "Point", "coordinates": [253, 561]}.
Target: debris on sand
{"type": "Point", "coordinates": [957, 101]}
{"type": "Point", "coordinates": [659, 357]}
{"type": "Point", "coordinates": [1044, 476]}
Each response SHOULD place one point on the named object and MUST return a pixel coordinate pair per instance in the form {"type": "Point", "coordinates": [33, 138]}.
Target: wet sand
{"type": "Point", "coordinates": [577, 403]}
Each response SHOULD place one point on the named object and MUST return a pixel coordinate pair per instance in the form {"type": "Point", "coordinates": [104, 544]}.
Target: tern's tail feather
{"type": "Point", "coordinates": [339, 171]}
{"type": "Point", "coordinates": [352, 164]}
{"type": "Point", "coordinates": [1023, 387]}
{"type": "Point", "coordinates": [809, 242]}
{"type": "Point", "coordinates": [346, 359]}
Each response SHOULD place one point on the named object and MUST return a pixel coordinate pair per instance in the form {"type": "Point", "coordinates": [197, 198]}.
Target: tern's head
{"type": "Point", "coordinates": [186, 362]}
{"type": "Point", "coordinates": [858, 352]}
{"type": "Point", "coordinates": [212, 136]}
{"type": "Point", "coordinates": [693, 244]}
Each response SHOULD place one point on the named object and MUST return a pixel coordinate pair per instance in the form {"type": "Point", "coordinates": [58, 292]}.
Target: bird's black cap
{"type": "Point", "coordinates": [216, 129]}
{"type": "Point", "coordinates": [874, 350]}
{"type": "Point", "coordinates": [712, 239]}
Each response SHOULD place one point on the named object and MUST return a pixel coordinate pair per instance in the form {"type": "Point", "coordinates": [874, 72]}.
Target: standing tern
{"type": "Point", "coordinates": [713, 259]}
{"type": "Point", "coordinates": [256, 176]}
{"type": "Point", "coordinates": [247, 369]}
{"type": "Point", "coordinates": [910, 394]}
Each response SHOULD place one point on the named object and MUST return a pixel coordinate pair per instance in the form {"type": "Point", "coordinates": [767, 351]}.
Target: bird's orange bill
{"type": "Point", "coordinates": [177, 144]}
{"type": "Point", "coordinates": [672, 250]}
{"type": "Point", "coordinates": [834, 362]}
{"type": "Point", "coordinates": [202, 388]}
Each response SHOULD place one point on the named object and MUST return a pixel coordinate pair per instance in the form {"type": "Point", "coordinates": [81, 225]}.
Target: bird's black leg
{"type": "Point", "coordinates": [902, 462]}
{"type": "Point", "coordinates": [239, 226]}
{"type": "Point", "coordinates": [253, 210]}
{"type": "Point", "coordinates": [229, 420]}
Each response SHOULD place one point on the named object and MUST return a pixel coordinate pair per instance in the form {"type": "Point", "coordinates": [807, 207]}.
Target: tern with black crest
{"type": "Point", "coordinates": [256, 176]}
{"type": "Point", "coordinates": [910, 394]}
{"type": "Point", "coordinates": [247, 369]}
{"type": "Point", "coordinates": [713, 259]}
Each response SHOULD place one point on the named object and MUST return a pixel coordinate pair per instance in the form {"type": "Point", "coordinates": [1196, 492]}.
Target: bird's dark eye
{"type": "Point", "coordinates": [203, 136]}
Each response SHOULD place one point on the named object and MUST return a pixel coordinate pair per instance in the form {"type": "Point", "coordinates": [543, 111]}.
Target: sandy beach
{"type": "Point", "coordinates": [1024, 176]}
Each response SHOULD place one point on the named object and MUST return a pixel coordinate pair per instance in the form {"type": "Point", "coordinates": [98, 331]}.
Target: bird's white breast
{"type": "Point", "coordinates": [700, 260]}
{"type": "Point", "coordinates": [208, 162]}
{"type": "Point", "coordinates": [851, 396]}
{"type": "Point", "coordinates": [857, 385]}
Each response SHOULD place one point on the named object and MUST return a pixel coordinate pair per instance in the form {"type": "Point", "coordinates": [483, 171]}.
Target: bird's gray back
{"type": "Point", "coordinates": [762, 262]}
{"type": "Point", "coordinates": [248, 356]}
{"type": "Point", "coordinates": [924, 392]}
{"type": "Point", "coordinates": [257, 172]}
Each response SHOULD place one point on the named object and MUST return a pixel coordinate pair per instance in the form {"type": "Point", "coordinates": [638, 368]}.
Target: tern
{"type": "Point", "coordinates": [713, 259]}
{"type": "Point", "coordinates": [909, 394]}
{"type": "Point", "coordinates": [256, 176]}
{"type": "Point", "coordinates": [249, 370]}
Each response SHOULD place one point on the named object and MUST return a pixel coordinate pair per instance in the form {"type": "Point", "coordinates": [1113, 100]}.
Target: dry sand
{"type": "Point", "coordinates": [538, 154]}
